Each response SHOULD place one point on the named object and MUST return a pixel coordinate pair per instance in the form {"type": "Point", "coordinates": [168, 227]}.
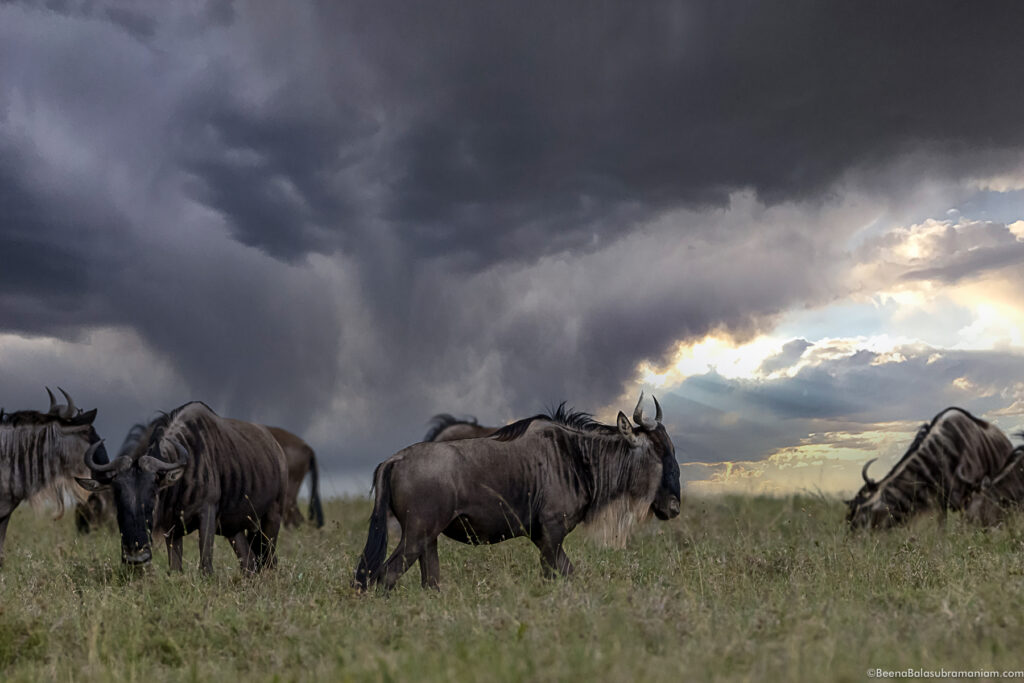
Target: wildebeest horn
{"type": "Point", "coordinates": [864, 472]}
{"type": "Point", "coordinates": [657, 406]}
{"type": "Point", "coordinates": [638, 412]}
{"type": "Point", "coordinates": [70, 411]}
{"type": "Point", "coordinates": [182, 451]}
{"type": "Point", "coordinates": [150, 464]}
{"type": "Point", "coordinates": [98, 467]}
{"type": "Point", "coordinates": [53, 403]}
{"type": "Point", "coordinates": [960, 475]}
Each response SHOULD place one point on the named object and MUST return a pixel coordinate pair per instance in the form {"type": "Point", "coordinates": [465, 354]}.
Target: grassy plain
{"type": "Point", "coordinates": [735, 589]}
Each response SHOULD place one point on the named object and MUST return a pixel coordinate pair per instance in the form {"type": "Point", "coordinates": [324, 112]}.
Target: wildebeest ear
{"type": "Point", "coordinates": [626, 429]}
{"type": "Point", "coordinates": [92, 484]}
{"type": "Point", "coordinates": [986, 481]}
{"type": "Point", "coordinates": [84, 418]}
{"type": "Point", "coordinates": [168, 477]}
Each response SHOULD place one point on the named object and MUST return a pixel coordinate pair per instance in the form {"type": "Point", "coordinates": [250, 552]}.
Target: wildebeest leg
{"type": "Point", "coordinates": [174, 551]}
{"type": "Point", "coordinates": [270, 526]}
{"type": "Point", "coordinates": [207, 527]}
{"type": "Point", "coordinates": [3, 534]}
{"type": "Point", "coordinates": [408, 551]}
{"type": "Point", "coordinates": [430, 566]}
{"type": "Point", "coordinates": [553, 560]}
{"type": "Point", "coordinates": [246, 559]}
{"type": "Point", "coordinates": [293, 517]}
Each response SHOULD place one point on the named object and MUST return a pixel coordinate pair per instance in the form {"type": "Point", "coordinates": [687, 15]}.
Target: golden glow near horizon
{"type": "Point", "coordinates": [914, 285]}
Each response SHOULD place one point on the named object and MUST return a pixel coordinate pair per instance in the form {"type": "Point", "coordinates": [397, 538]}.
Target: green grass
{"type": "Point", "coordinates": [735, 589]}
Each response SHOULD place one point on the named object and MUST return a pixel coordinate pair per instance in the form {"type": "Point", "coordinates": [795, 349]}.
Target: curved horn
{"type": "Point", "coordinates": [960, 475]}
{"type": "Point", "coordinates": [151, 464]}
{"type": "Point", "coordinates": [182, 451]}
{"type": "Point", "coordinates": [98, 467]}
{"type": "Point", "coordinates": [864, 472]}
{"type": "Point", "coordinates": [70, 411]}
{"type": "Point", "coordinates": [53, 403]}
{"type": "Point", "coordinates": [638, 412]}
{"type": "Point", "coordinates": [657, 406]}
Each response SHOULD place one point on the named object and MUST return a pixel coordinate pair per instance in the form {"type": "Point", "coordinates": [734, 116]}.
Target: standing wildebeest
{"type": "Point", "coordinates": [39, 452]}
{"type": "Point", "coordinates": [445, 427]}
{"type": "Point", "coordinates": [995, 495]}
{"type": "Point", "coordinates": [926, 474]}
{"type": "Point", "coordinates": [299, 456]}
{"type": "Point", "coordinates": [99, 508]}
{"type": "Point", "coordinates": [198, 470]}
{"type": "Point", "coordinates": [301, 459]}
{"type": "Point", "coordinates": [538, 477]}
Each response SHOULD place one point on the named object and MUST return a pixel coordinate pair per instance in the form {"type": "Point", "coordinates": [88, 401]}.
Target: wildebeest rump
{"type": "Point", "coordinates": [39, 452]}
{"type": "Point", "coordinates": [538, 477]}
{"type": "Point", "coordinates": [926, 474]}
{"type": "Point", "coordinates": [301, 459]}
{"type": "Point", "coordinates": [445, 427]}
{"type": "Point", "coordinates": [996, 495]}
{"type": "Point", "coordinates": [198, 471]}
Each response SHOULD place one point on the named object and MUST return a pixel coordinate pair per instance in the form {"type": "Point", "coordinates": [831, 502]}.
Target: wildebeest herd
{"type": "Point", "coordinates": [191, 469]}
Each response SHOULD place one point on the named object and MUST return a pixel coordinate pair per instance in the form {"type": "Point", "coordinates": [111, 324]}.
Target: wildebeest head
{"type": "Point", "coordinates": [135, 480]}
{"type": "Point", "coordinates": [54, 440]}
{"type": "Point", "coordinates": [649, 439]}
{"type": "Point", "coordinates": [867, 509]}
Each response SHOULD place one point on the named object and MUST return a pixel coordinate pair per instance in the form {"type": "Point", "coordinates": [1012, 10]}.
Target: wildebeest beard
{"type": "Point", "coordinates": [538, 478]}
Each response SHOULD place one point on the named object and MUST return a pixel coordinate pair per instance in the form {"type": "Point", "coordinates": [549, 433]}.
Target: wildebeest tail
{"type": "Point", "coordinates": [377, 540]}
{"type": "Point", "coordinates": [316, 510]}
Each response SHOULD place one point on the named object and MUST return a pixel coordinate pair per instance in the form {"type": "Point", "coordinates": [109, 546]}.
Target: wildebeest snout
{"type": "Point", "coordinates": [137, 556]}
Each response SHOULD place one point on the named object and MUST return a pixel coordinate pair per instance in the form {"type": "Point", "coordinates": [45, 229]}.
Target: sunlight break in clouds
{"type": "Point", "coordinates": [937, 288]}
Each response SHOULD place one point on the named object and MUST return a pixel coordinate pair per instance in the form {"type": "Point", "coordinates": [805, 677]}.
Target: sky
{"type": "Point", "coordinates": [802, 231]}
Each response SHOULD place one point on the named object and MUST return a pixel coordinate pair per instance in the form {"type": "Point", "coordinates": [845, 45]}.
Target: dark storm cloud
{"type": "Point", "coordinates": [348, 217]}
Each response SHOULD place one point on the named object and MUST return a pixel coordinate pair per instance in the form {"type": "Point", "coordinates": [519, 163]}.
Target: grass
{"type": "Point", "coordinates": [735, 589]}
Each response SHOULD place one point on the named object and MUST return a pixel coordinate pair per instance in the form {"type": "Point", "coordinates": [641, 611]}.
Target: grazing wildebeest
{"type": "Point", "coordinates": [537, 477]}
{"type": "Point", "coordinates": [925, 475]}
{"type": "Point", "coordinates": [99, 508]}
{"type": "Point", "coordinates": [445, 427]}
{"type": "Point", "coordinates": [198, 470]}
{"type": "Point", "coordinates": [301, 459]}
{"type": "Point", "coordinates": [40, 452]}
{"type": "Point", "coordinates": [996, 495]}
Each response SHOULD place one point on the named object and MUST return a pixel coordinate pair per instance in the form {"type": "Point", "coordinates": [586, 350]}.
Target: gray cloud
{"type": "Point", "coordinates": [344, 218]}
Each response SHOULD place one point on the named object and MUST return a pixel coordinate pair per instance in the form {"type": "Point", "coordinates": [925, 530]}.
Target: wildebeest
{"type": "Point", "coordinates": [538, 477]}
{"type": "Point", "coordinates": [926, 474]}
{"type": "Point", "coordinates": [995, 495]}
{"type": "Point", "coordinates": [99, 508]}
{"type": "Point", "coordinates": [198, 470]}
{"type": "Point", "coordinates": [301, 459]}
{"type": "Point", "coordinates": [40, 452]}
{"type": "Point", "coordinates": [445, 427]}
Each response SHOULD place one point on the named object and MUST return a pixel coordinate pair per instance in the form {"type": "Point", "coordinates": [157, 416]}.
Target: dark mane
{"type": "Point", "coordinates": [164, 420]}
{"type": "Point", "coordinates": [26, 417]}
{"type": "Point", "coordinates": [567, 417]}
{"type": "Point", "coordinates": [443, 421]}
{"type": "Point", "coordinates": [926, 428]}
